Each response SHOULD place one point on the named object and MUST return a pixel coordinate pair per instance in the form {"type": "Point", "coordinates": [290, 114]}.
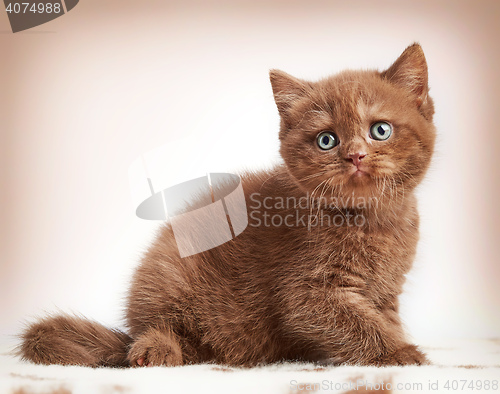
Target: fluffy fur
{"type": "Point", "coordinates": [317, 290]}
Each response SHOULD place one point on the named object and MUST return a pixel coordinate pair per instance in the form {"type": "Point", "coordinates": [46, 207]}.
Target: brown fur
{"type": "Point", "coordinates": [324, 293]}
{"type": "Point", "coordinates": [70, 340]}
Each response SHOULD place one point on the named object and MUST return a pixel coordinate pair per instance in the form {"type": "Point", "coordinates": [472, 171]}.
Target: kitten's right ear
{"type": "Point", "coordinates": [286, 90]}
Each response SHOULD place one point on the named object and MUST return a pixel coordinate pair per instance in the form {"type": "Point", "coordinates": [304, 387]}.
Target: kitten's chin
{"type": "Point", "coordinates": [359, 177]}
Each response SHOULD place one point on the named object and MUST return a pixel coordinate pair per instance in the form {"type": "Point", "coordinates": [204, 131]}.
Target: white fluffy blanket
{"type": "Point", "coordinates": [465, 366]}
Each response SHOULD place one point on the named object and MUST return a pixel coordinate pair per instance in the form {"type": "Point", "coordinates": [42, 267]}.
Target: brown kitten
{"type": "Point", "coordinates": [324, 288]}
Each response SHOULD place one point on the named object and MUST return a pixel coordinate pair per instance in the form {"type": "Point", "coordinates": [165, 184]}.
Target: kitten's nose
{"type": "Point", "coordinates": [355, 157]}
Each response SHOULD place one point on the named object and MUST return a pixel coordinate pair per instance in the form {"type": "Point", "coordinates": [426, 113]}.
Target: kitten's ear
{"type": "Point", "coordinates": [286, 89]}
{"type": "Point", "coordinates": [410, 73]}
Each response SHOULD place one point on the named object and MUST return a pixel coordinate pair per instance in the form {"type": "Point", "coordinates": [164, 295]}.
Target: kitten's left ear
{"type": "Point", "coordinates": [410, 73]}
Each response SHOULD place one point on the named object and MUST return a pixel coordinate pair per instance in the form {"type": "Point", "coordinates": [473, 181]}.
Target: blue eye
{"type": "Point", "coordinates": [327, 140]}
{"type": "Point", "coordinates": [380, 131]}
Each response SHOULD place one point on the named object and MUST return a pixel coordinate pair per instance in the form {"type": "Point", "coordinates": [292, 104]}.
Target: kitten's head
{"type": "Point", "coordinates": [366, 133]}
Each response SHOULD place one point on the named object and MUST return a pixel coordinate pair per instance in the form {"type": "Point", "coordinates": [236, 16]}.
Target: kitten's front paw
{"type": "Point", "coordinates": [406, 355]}
{"type": "Point", "coordinates": [155, 348]}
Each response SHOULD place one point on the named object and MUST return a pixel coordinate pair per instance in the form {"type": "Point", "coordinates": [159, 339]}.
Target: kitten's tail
{"type": "Point", "coordinates": [71, 340]}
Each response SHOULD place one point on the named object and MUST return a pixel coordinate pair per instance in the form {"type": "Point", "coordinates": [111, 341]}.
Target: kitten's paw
{"type": "Point", "coordinates": [406, 355]}
{"type": "Point", "coordinates": [155, 348]}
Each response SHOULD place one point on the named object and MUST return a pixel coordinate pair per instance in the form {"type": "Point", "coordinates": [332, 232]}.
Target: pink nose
{"type": "Point", "coordinates": [356, 157]}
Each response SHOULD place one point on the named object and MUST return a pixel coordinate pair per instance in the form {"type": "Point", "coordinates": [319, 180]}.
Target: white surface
{"type": "Point", "coordinates": [469, 360]}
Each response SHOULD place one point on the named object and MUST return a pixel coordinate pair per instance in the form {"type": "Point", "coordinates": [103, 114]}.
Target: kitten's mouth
{"type": "Point", "coordinates": [358, 173]}
{"type": "Point", "coordinates": [359, 177]}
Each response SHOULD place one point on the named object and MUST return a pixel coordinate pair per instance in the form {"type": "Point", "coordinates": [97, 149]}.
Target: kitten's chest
{"type": "Point", "coordinates": [372, 261]}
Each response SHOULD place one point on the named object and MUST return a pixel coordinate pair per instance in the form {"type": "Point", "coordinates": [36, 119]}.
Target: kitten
{"type": "Point", "coordinates": [321, 289]}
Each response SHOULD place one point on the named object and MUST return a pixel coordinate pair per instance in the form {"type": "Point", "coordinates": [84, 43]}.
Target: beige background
{"type": "Point", "coordinates": [84, 95]}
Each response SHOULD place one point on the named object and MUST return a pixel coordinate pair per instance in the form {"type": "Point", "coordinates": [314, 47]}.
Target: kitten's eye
{"type": "Point", "coordinates": [381, 131]}
{"type": "Point", "coordinates": [327, 140]}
